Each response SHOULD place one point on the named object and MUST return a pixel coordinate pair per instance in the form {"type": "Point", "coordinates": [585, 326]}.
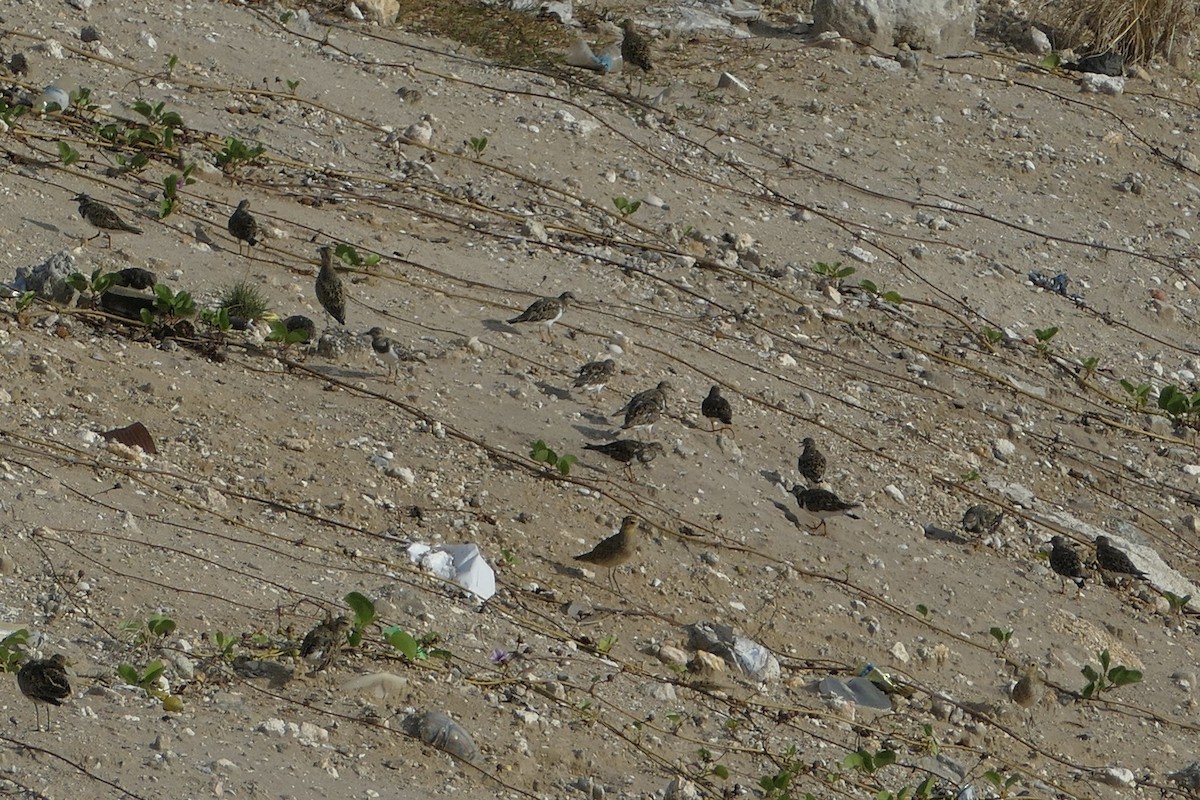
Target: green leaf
{"type": "Point", "coordinates": [78, 282]}
{"type": "Point", "coordinates": [564, 464]}
{"type": "Point", "coordinates": [160, 625]}
{"type": "Point", "coordinates": [856, 760]}
{"type": "Point", "coordinates": [885, 758]}
{"type": "Point", "coordinates": [721, 771]}
{"type": "Point", "coordinates": [364, 609]}
{"type": "Point", "coordinates": [172, 704]}
{"type": "Point", "coordinates": [1090, 673]}
{"type": "Point", "coordinates": [153, 672]}
{"type": "Point", "coordinates": [1123, 676]}
{"type": "Point", "coordinates": [403, 641]}
{"type": "Point", "coordinates": [128, 674]}
{"type": "Point", "coordinates": [993, 777]}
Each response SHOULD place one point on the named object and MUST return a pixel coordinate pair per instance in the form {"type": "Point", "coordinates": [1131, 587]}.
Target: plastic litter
{"type": "Point", "coordinates": [750, 657]}
{"type": "Point", "coordinates": [460, 563]}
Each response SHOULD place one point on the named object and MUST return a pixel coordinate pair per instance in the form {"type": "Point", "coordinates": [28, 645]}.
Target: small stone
{"type": "Point", "coordinates": [1092, 83]}
{"type": "Point", "coordinates": [899, 652]}
{"type": "Point", "coordinates": [1003, 450]}
{"type": "Point", "coordinates": [1039, 42]}
{"type": "Point", "coordinates": [672, 655]}
{"type": "Point", "coordinates": [730, 81]}
{"type": "Point", "coordinates": [89, 34]}
{"type": "Point", "coordinates": [894, 492]}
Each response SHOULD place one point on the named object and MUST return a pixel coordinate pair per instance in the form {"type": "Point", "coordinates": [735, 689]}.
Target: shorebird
{"type": "Point", "coordinates": [243, 225]}
{"type": "Point", "coordinates": [645, 408]}
{"type": "Point", "coordinates": [546, 310]}
{"type": "Point", "coordinates": [981, 520]}
{"type": "Point", "coordinates": [45, 683]}
{"type": "Point", "coordinates": [717, 408]}
{"type": "Point", "coordinates": [811, 463]}
{"type": "Point", "coordinates": [102, 217]}
{"type": "Point", "coordinates": [635, 48]}
{"type": "Point", "coordinates": [385, 350]}
{"type": "Point", "coordinates": [299, 322]}
{"type": "Point", "coordinates": [330, 292]}
{"type": "Point", "coordinates": [1027, 691]}
{"type": "Point", "coordinates": [626, 450]}
{"type": "Point", "coordinates": [1065, 562]}
{"type": "Point", "coordinates": [615, 550]}
{"type": "Point", "coordinates": [322, 644]}
{"type": "Point", "coordinates": [823, 504]}
{"type": "Point", "coordinates": [593, 375]}
{"type": "Point", "coordinates": [1110, 559]}
{"type": "Point", "coordinates": [136, 278]}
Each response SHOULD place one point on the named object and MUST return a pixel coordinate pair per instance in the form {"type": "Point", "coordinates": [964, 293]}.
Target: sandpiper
{"type": "Point", "coordinates": [102, 217]}
{"type": "Point", "coordinates": [646, 408]}
{"type": "Point", "coordinates": [593, 375]}
{"type": "Point", "coordinates": [811, 463]}
{"type": "Point", "coordinates": [615, 550]}
{"type": "Point", "coordinates": [136, 278]}
{"type": "Point", "coordinates": [1110, 559]}
{"type": "Point", "coordinates": [823, 504]}
{"type": "Point", "coordinates": [386, 350]}
{"type": "Point", "coordinates": [635, 48]}
{"type": "Point", "coordinates": [243, 225]}
{"type": "Point", "coordinates": [45, 683]}
{"type": "Point", "coordinates": [1065, 562]}
{"type": "Point", "coordinates": [330, 292]}
{"type": "Point", "coordinates": [626, 450]}
{"type": "Point", "coordinates": [716, 408]}
{"type": "Point", "coordinates": [981, 520]}
{"type": "Point", "coordinates": [322, 644]}
{"type": "Point", "coordinates": [299, 322]}
{"type": "Point", "coordinates": [547, 310]}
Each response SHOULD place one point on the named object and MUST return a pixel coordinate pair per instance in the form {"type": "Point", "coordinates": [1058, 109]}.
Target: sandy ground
{"type": "Point", "coordinates": [285, 480]}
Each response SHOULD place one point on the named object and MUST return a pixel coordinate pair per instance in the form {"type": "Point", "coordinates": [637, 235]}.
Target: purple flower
{"type": "Point", "coordinates": [500, 656]}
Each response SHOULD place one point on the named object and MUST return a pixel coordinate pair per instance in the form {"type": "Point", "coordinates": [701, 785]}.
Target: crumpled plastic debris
{"type": "Point", "coordinates": [461, 563]}
{"type": "Point", "coordinates": [1058, 285]}
{"type": "Point", "coordinates": [580, 54]}
{"type": "Point", "coordinates": [750, 657]}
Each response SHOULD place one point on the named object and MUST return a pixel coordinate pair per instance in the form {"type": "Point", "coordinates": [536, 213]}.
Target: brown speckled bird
{"type": "Point", "coordinates": [1065, 562]}
{"type": "Point", "coordinates": [615, 550]}
{"type": "Point", "coordinates": [635, 48]}
{"type": "Point", "coordinates": [243, 226]}
{"type": "Point", "coordinates": [546, 310]}
{"type": "Point", "coordinates": [1110, 559]}
{"type": "Point", "coordinates": [811, 463]}
{"type": "Point", "coordinates": [45, 683]}
{"type": "Point", "coordinates": [716, 408]}
{"type": "Point", "coordinates": [102, 217]}
{"type": "Point", "coordinates": [646, 408]}
{"type": "Point", "coordinates": [981, 520]}
{"type": "Point", "coordinates": [322, 644]}
{"type": "Point", "coordinates": [385, 350]}
{"type": "Point", "coordinates": [822, 504]}
{"type": "Point", "coordinates": [626, 450]}
{"type": "Point", "coordinates": [331, 294]}
{"type": "Point", "coordinates": [593, 375]}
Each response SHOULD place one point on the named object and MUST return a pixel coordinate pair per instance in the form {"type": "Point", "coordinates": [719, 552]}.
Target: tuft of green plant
{"type": "Point", "coordinates": [1107, 677]}
{"type": "Point", "coordinates": [1140, 394]}
{"type": "Point", "coordinates": [11, 655]}
{"type": "Point", "coordinates": [477, 145]}
{"type": "Point", "coordinates": [606, 643]}
{"type": "Point", "coordinates": [539, 452]}
{"type": "Point", "coordinates": [834, 271]}
{"type": "Point", "coordinates": [625, 206]}
{"type": "Point", "coordinates": [146, 678]}
{"type": "Point", "coordinates": [1179, 405]}
{"type": "Point", "coordinates": [867, 762]}
{"type": "Point", "coordinates": [1002, 636]}
{"type": "Point", "coordinates": [1043, 336]}
{"type": "Point", "coordinates": [1002, 783]}
{"type": "Point", "coordinates": [66, 154]}
{"type": "Point", "coordinates": [779, 785]}
{"type": "Point", "coordinates": [1177, 603]}
{"type": "Point", "coordinates": [160, 625]}
{"type": "Point", "coordinates": [169, 304]}
{"type": "Point", "coordinates": [217, 318]}
{"type": "Point", "coordinates": [244, 299]}
{"type": "Point", "coordinates": [236, 152]}
{"type": "Point", "coordinates": [293, 85]}
{"type": "Point", "coordinates": [991, 336]}
{"type": "Point", "coordinates": [226, 645]}
{"type": "Point", "coordinates": [281, 335]}
{"type": "Point", "coordinates": [415, 648]}
{"type": "Point", "coordinates": [364, 615]}
{"type": "Point", "coordinates": [869, 287]}
{"type": "Point", "coordinates": [98, 284]}
{"type": "Point", "coordinates": [10, 114]}
{"type": "Point", "coordinates": [353, 258]}
{"type": "Point", "coordinates": [1089, 366]}
{"type": "Point", "coordinates": [924, 611]}
{"type": "Point", "coordinates": [171, 184]}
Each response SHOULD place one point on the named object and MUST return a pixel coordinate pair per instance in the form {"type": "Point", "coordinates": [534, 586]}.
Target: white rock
{"type": "Point", "coordinates": [894, 492]}
{"type": "Point", "coordinates": [1003, 449]}
{"type": "Point", "coordinates": [1091, 83]}
{"type": "Point", "coordinates": [672, 655]}
{"type": "Point", "coordinates": [681, 789]}
{"type": "Point", "coordinates": [899, 652]}
{"type": "Point", "coordinates": [1039, 42]}
{"type": "Point", "coordinates": [730, 81]}
{"type": "Point", "coordinates": [861, 255]}
{"type": "Point", "coordinates": [382, 11]}
{"type": "Point", "coordinates": [1118, 776]}
{"type": "Point", "coordinates": [274, 726]}
{"type": "Point", "coordinates": [353, 12]}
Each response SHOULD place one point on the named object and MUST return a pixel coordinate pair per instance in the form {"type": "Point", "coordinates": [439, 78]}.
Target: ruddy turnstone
{"type": "Point", "coordinates": [243, 225]}
{"type": "Point", "coordinates": [322, 644]}
{"type": "Point", "coordinates": [645, 408]}
{"type": "Point", "coordinates": [626, 450]}
{"type": "Point", "coordinates": [45, 683]}
{"type": "Point", "coordinates": [102, 217]}
{"type": "Point", "coordinates": [981, 520]}
{"type": "Point", "coordinates": [1065, 562]}
{"type": "Point", "coordinates": [1110, 559]}
{"type": "Point", "coordinates": [716, 408]}
{"type": "Point", "coordinates": [615, 550]}
{"type": "Point", "coordinates": [823, 504]}
{"type": "Point", "coordinates": [331, 294]}
{"type": "Point", "coordinates": [547, 311]}
{"type": "Point", "coordinates": [593, 375]}
{"type": "Point", "coordinates": [811, 463]}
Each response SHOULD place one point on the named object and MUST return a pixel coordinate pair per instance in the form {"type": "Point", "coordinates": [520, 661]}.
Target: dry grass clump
{"type": "Point", "coordinates": [1137, 29]}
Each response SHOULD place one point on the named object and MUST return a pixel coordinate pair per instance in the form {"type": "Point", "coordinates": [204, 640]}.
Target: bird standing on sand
{"type": "Point", "coordinates": [322, 644]}
{"type": "Point", "coordinates": [102, 217]}
{"type": "Point", "coordinates": [717, 408]}
{"type": "Point", "coordinates": [45, 683]}
{"type": "Point", "coordinates": [981, 520]}
{"type": "Point", "coordinates": [635, 48]}
{"type": "Point", "coordinates": [626, 450]}
{"type": "Point", "coordinates": [593, 375]}
{"type": "Point", "coordinates": [1065, 562]}
{"type": "Point", "coordinates": [823, 504]}
{"type": "Point", "coordinates": [331, 294]}
{"type": "Point", "coordinates": [811, 463]}
{"type": "Point", "coordinates": [615, 550]}
{"type": "Point", "coordinates": [646, 408]}
{"type": "Point", "coordinates": [243, 225]}
{"type": "Point", "coordinates": [386, 350]}
{"type": "Point", "coordinates": [1027, 692]}
{"type": "Point", "coordinates": [546, 310]}
{"type": "Point", "coordinates": [1110, 559]}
